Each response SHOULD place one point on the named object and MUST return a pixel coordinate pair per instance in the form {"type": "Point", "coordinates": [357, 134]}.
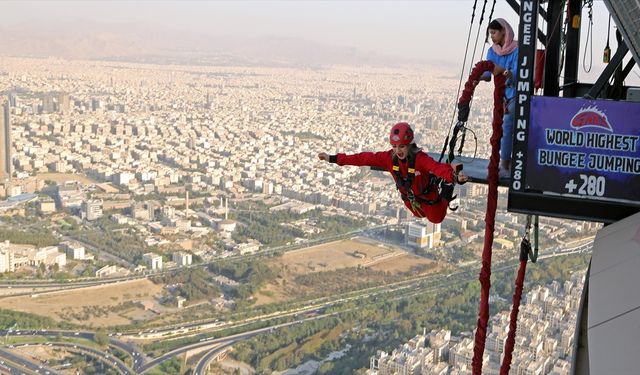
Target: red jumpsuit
{"type": "Point", "coordinates": [424, 165]}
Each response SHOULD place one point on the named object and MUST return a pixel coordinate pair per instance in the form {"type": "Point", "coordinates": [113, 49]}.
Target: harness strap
{"type": "Point", "coordinates": [404, 184]}
{"type": "Point", "coordinates": [445, 189]}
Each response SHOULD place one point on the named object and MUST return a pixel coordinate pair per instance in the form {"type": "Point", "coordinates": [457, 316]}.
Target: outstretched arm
{"type": "Point", "coordinates": [364, 159]}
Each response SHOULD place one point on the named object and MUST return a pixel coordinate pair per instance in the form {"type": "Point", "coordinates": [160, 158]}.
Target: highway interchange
{"type": "Point", "coordinates": [138, 363]}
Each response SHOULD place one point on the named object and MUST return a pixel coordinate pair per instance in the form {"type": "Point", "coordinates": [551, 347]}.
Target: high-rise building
{"type": "Point", "coordinates": [6, 258]}
{"type": "Point", "coordinates": [5, 141]}
{"type": "Point", "coordinates": [153, 261]}
{"type": "Point", "coordinates": [48, 105]}
{"type": "Point", "coordinates": [92, 209]}
{"type": "Point", "coordinates": [73, 250]}
{"type": "Point", "coordinates": [209, 103]}
{"type": "Point", "coordinates": [64, 103]}
{"type": "Point", "coordinates": [182, 258]}
{"type": "Point", "coordinates": [95, 104]}
{"type": "Point", "coordinates": [423, 235]}
{"type": "Point", "coordinates": [13, 99]}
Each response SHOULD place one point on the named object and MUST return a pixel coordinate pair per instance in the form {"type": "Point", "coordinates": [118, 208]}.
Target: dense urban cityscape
{"type": "Point", "coordinates": [156, 208]}
{"type": "Point", "coordinates": [544, 345]}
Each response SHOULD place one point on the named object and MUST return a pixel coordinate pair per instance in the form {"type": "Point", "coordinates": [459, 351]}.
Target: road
{"type": "Point", "coordinates": [399, 290]}
{"type": "Point", "coordinates": [10, 358]}
{"type": "Point", "coordinates": [102, 356]}
{"type": "Point", "coordinates": [105, 358]}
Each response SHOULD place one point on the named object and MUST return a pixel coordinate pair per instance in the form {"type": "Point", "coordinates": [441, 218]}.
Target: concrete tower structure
{"type": "Point", "coordinates": [5, 140]}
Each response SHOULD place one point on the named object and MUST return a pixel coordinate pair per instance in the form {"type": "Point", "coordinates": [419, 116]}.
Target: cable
{"type": "Point", "coordinates": [475, 45]}
{"type": "Point", "coordinates": [606, 57]}
{"type": "Point", "coordinates": [555, 24]}
{"type": "Point", "coordinates": [486, 35]}
{"type": "Point", "coordinates": [563, 39]}
{"type": "Point", "coordinates": [464, 63]}
{"type": "Point", "coordinates": [589, 3]}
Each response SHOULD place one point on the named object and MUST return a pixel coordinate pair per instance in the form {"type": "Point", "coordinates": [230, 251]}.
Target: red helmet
{"type": "Point", "coordinates": [401, 134]}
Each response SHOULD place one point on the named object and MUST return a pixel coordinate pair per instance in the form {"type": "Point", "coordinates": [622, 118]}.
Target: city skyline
{"type": "Point", "coordinates": [164, 194]}
{"type": "Point", "coordinates": [272, 31]}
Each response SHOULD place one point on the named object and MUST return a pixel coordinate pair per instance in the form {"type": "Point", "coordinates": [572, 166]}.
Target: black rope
{"type": "Point", "coordinates": [525, 245]}
{"type": "Point", "coordinates": [462, 137]}
{"type": "Point", "coordinates": [454, 139]}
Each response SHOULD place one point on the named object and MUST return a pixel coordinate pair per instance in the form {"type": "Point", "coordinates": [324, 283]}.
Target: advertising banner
{"type": "Point", "coordinates": [584, 148]}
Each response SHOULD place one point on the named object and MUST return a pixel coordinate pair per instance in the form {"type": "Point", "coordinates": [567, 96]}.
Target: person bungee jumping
{"type": "Point", "coordinates": [425, 185]}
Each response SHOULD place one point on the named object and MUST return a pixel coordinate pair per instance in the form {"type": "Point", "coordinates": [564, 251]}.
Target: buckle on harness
{"type": "Point", "coordinates": [415, 205]}
{"type": "Point", "coordinates": [411, 197]}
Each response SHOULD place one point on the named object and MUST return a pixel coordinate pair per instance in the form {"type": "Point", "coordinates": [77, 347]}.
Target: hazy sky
{"type": "Point", "coordinates": [428, 29]}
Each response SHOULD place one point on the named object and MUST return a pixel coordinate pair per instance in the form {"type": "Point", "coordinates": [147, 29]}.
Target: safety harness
{"type": "Point", "coordinates": [444, 189]}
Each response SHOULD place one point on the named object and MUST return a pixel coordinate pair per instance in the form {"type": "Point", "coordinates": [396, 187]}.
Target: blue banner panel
{"type": "Point", "coordinates": [584, 148]}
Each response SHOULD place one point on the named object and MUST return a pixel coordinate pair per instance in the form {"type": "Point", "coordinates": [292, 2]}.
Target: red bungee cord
{"type": "Point", "coordinates": [492, 201]}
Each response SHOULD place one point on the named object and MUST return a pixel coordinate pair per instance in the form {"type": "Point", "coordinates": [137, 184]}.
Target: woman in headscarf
{"type": "Point", "coordinates": [504, 53]}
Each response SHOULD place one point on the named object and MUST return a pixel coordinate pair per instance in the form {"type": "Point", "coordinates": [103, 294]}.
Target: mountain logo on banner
{"type": "Point", "coordinates": [591, 117]}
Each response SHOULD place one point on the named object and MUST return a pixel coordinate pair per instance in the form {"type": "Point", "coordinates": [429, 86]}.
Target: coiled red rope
{"type": "Point", "coordinates": [492, 201]}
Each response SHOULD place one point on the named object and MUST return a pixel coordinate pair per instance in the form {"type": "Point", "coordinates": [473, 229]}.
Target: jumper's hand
{"type": "Point", "coordinates": [461, 178]}
{"type": "Point", "coordinates": [458, 176]}
{"type": "Point", "coordinates": [323, 156]}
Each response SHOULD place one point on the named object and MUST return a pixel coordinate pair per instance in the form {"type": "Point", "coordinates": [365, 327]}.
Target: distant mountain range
{"type": "Point", "coordinates": [128, 42]}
